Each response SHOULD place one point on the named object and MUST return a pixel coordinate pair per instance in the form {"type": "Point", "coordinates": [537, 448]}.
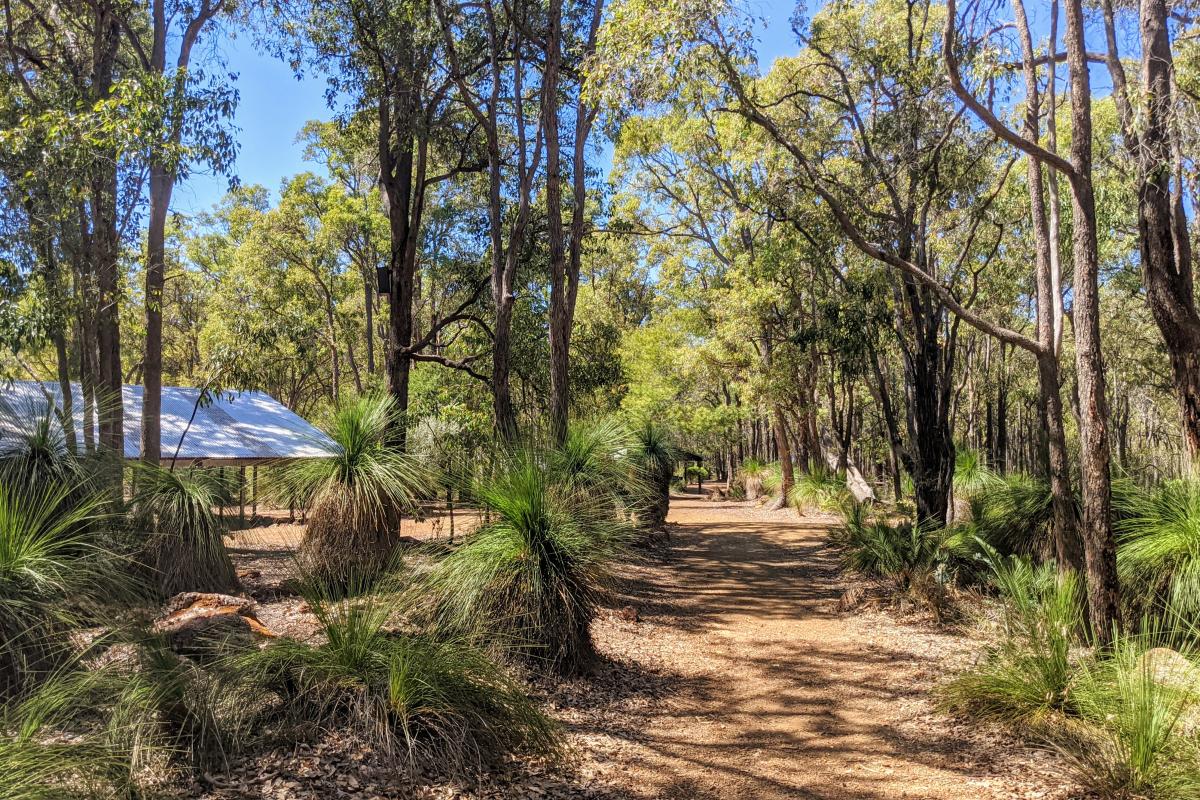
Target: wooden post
{"type": "Point", "coordinates": [242, 496]}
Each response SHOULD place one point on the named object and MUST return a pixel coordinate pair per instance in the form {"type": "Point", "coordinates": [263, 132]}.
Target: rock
{"type": "Point", "coordinates": [192, 620]}
{"type": "Point", "coordinates": [1172, 669]}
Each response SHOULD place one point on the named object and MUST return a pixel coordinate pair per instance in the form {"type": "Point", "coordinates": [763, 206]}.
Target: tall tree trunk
{"type": "Point", "coordinates": [1099, 546]}
{"type": "Point", "coordinates": [67, 413]}
{"type": "Point", "coordinates": [560, 323]}
{"type": "Point", "coordinates": [565, 259]}
{"type": "Point", "coordinates": [161, 184]}
{"type": "Point", "coordinates": [1162, 227]}
{"type": "Point", "coordinates": [369, 305]}
{"type": "Point", "coordinates": [1068, 548]}
{"type": "Point", "coordinates": [105, 246]}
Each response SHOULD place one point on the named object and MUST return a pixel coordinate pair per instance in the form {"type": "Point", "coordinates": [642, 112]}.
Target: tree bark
{"type": "Point", "coordinates": [161, 184]}
{"type": "Point", "coordinates": [1068, 549]}
{"type": "Point", "coordinates": [565, 258]}
{"type": "Point", "coordinates": [1099, 546]}
{"type": "Point", "coordinates": [1162, 227]}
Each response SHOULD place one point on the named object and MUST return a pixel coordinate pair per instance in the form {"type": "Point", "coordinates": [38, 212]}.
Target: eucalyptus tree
{"type": "Point", "coordinates": [866, 97]}
{"type": "Point", "coordinates": [188, 127]}
{"type": "Point", "coordinates": [388, 62]}
{"type": "Point", "coordinates": [1152, 125]}
{"type": "Point", "coordinates": [492, 52]}
{"type": "Point", "coordinates": [702, 180]}
{"type": "Point", "coordinates": [73, 117]}
{"type": "Point", "coordinates": [567, 34]}
{"type": "Point", "coordinates": [870, 128]}
{"type": "Point", "coordinates": [346, 153]}
{"type": "Point", "coordinates": [1095, 456]}
{"type": "Point", "coordinates": [263, 267]}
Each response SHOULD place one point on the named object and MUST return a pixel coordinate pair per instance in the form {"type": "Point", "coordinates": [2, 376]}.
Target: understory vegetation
{"type": "Point", "coordinates": [924, 265]}
{"type": "Point", "coordinates": [423, 656]}
{"type": "Point", "coordinates": [1120, 716]}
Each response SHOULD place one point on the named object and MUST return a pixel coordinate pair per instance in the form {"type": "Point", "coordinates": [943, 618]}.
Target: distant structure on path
{"type": "Point", "coordinates": [226, 429]}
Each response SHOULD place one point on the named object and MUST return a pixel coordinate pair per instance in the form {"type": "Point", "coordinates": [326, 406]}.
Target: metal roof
{"type": "Point", "coordinates": [235, 427]}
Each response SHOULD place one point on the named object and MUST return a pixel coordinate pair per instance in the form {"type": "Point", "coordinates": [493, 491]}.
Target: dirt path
{"type": "Point", "coordinates": [773, 692]}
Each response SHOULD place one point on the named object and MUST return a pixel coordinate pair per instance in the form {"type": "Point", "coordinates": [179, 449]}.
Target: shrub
{"type": "Point", "coordinates": [1025, 676]}
{"type": "Point", "coordinates": [909, 558]}
{"type": "Point", "coordinates": [819, 489]}
{"type": "Point", "coordinates": [53, 572]}
{"type": "Point", "coordinates": [535, 573]}
{"type": "Point", "coordinates": [1136, 703]}
{"type": "Point", "coordinates": [186, 550]}
{"type": "Point", "coordinates": [357, 495]}
{"type": "Point", "coordinates": [1158, 552]}
{"type": "Point", "coordinates": [432, 700]}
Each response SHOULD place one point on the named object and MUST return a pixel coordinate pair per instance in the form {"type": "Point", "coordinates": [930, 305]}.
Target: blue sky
{"type": "Point", "coordinates": [274, 105]}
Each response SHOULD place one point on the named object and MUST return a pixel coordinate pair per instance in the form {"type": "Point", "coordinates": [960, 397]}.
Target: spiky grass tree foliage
{"type": "Point", "coordinates": [1026, 675]}
{"type": "Point", "coordinates": [357, 495]}
{"type": "Point", "coordinates": [910, 559]}
{"type": "Point", "coordinates": [185, 549]}
{"type": "Point", "coordinates": [653, 457]}
{"type": "Point", "coordinates": [819, 489]}
{"type": "Point", "coordinates": [36, 453]}
{"type": "Point", "coordinates": [120, 728]}
{"type": "Point", "coordinates": [54, 572]}
{"type": "Point", "coordinates": [772, 478]}
{"type": "Point", "coordinates": [44, 757]}
{"type": "Point", "coordinates": [596, 455]}
{"type": "Point", "coordinates": [533, 576]}
{"type": "Point", "coordinates": [1014, 516]}
{"type": "Point", "coordinates": [1158, 544]}
{"type": "Point", "coordinates": [1138, 704]}
{"type": "Point", "coordinates": [430, 700]}
{"type": "Point", "coordinates": [750, 474]}
{"type": "Point", "coordinates": [971, 474]}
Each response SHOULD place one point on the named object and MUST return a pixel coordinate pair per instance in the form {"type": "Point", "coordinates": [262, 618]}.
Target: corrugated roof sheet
{"type": "Point", "coordinates": [235, 426]}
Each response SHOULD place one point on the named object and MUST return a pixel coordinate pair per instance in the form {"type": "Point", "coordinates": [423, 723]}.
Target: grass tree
{"type": "Point", "coordinates": [533, 576]}
{"type": "Point", "coordinates": [1025, 677]}
{"type": "Point", "coordinates": [1159, 544]}
{"type": "Point", "coordinates": [654, 455]}
{"type": "Point", "coordinates": [52, 571]}
{"type": "Point", "coordinates": [426, 698]}
{"type": "Point", "coordinates": [357, 495]}
{"type": "Point", "coordinates": [186, 550]}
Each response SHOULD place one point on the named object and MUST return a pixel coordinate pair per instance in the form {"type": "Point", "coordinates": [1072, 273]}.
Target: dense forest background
{"type": "Point", "coordinates": [931, 231]}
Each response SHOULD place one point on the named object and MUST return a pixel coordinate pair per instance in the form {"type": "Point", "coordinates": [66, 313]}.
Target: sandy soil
{"type": "Point", "coordinates": [730, 673]}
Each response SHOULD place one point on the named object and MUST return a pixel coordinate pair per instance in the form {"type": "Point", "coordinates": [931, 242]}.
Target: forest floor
{"type": "Point", "coordinates": [729, 672]}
